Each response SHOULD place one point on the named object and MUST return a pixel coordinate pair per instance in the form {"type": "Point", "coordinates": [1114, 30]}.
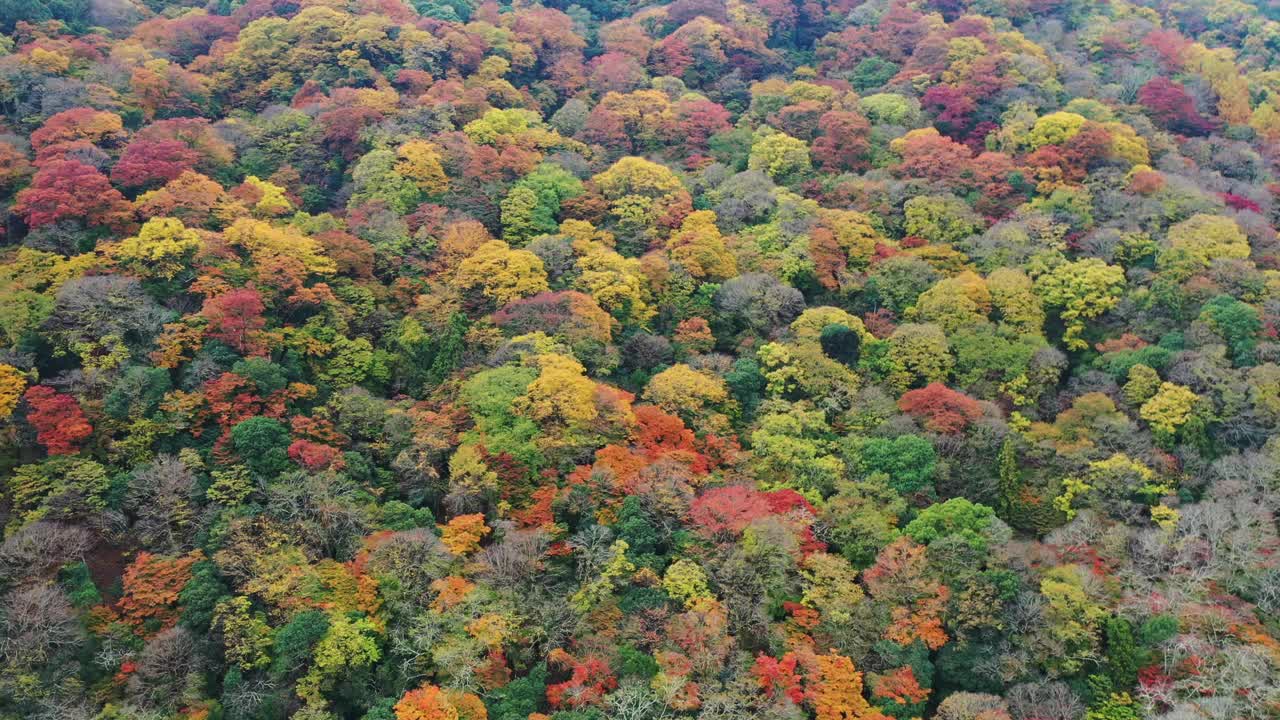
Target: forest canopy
{"type": "Point", "coordinates": [596, 360]}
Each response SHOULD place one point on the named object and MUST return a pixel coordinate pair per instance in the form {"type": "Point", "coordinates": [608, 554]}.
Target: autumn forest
{"type": "Point", "coordinates": [615, 360]}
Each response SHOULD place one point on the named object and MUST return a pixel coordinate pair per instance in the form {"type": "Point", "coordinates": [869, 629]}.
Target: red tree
{"type": "Point", "coordinates": [844, 143]}
{"type": "Point", "coordinates": [70, 190]}
{"type": "Point", "coordinates": [235, 318]}
{"type": "Point", "coordinates": [697, 119]}
{"type": "Point", "coordinates": [151, 163]}
{"type": "Point", "coordinates": [1172, 107]}
{"type": "Point", "coordinates": [727, 510]}
{"type": "Point", "coordinates": [59, 422]}
{"type": "Point", "coordinates": [151, 585]}
{"type": "Point", "coordinates": [940, 408]}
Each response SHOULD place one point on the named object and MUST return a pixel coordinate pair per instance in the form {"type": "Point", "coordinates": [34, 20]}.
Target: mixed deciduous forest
{"type": "Point", "coordinates": [612, 360]}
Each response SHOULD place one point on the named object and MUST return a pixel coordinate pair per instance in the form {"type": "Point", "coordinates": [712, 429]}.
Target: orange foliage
{"type": "Point", "coordinates": [462, 534]}
{"type": "Point", "coordinates": [151, 586]}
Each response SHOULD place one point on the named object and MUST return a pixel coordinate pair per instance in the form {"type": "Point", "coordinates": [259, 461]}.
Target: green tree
{"type": "Point", "coordinates": [262, 443]}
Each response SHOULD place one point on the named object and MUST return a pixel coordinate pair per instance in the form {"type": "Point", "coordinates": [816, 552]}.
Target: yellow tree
{"type": "Point", "coordinates": [1203, 238]}
{"type": "Point", "coordinates": [12, 383]}
{"type": "Point", "coordinates": [502, 273]}
{"type": "Point", "coordinates": [1013, 296]}
{"type": "Point", "coordinates": [420, 162]}
{"type": "Point", "coordinates": [700, 249]}
{"type": "Point", "coordinates": [1081, 290]}
{"type": "Point", "coordinates": [615, 282]}
{"type": "Point", "coordinates": [161, 249]}
{"type": "Point", "coordinates": [561, 394]}
{"type": "Point", "coordinates": [955, 302]}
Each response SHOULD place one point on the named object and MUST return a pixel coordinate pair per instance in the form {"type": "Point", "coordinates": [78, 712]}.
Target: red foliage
{"type": "Point", "coordinates": [933, 157]}
{"type": "Point", "coordinates": [59, 422]}
{"type": "Point", "coordinates": [697, 119]}
{"type": "Point", "coordinates": [940, 408]}
{"type": "Point", "coordinates": [72, 126]}
{"type": "Point", "coordinates": [658, 432]}
{"type": "Point", "coordinates": [149, 163]}
{"type": "Point", "coordinates": [235, 318]}
{"type": "Point", "coordinates": [899, 686]}
{"type": "Point", "coordinates": [1239, 202]}
{"type": "Point", "coordinates": [785, 500]}
{"type": "Point", "coordinates": [879, 322]}
{"type": "Point", "coordinates": [1171, 46]}
{"type": "Point", "coordinates": [728, 510]}
{"type": "Point", "coordinates": [953, 108]}
{"type": "Point", "coordinates": [776, 676]}
{"type": "Point", "coordinates": [589, 681]}
{"type": "Point", "coordinates": [70, 190]}
{"type": "Point", "coordinates": [1172, 107]}
{"type": "Point", "coordinates": [845, 141]}
{"type": "Point", "coordinates": [315, 456]}
{"type": "Point", "coordinates": [353, 256]}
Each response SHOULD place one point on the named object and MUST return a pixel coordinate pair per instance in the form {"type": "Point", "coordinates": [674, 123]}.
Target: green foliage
{"type": "Point", "coordinates": [958, 517]}
{"type": "Point", "coordinates": [908, 460]}
{"type": "Point", "coordinates": [262, 443]}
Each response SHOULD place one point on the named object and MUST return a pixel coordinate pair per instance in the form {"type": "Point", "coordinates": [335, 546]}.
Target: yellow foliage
{"type": "Point", "coordinates": [1169, 409]}
{"type": "Point", "coordinates": [462, 534]}
{"type": "Point", "coordinates": [420, 162]}
{"type": "Point", "coordinates": [617, 283]}
{"type": "Point", "coordinates": [561, 393]}
{"type": "Point", "coordinates": [269, 245]}
{"type": "Point", "coordinates": [162, 248]}
{"type": "Point", "coordinates": [502, 273]}
{"type": "Point", "coordinates": [12, 383]}
{"type": "Point", "coordinates": [700, 249]}
{"type": "Point", "coordinates": [684, 391]}
{"type": "Point", "coordinates": [637, 176]}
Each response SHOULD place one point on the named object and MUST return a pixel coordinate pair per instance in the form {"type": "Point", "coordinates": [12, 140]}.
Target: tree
{"type": "Point", "coordinates": [779, 155]}
{"type": "Point", "coordinates": [420, 162]}
{"type": "Point", "coordinates": [161, 249]}
{"type": "Point", "coordinates": [727, 510]}
{"type": "Point", "coordinates": [955, 517]}
{"type": "Point", "coordinates": [699, 248]}
{"type": "Point", "coordinates": [1172, 107]}
{"type": "Point", "coordinates": [922, 352]}
{"type": "Point", "coordinates": [1169, 409]}
{"type": "Point", "coordinates": [1055, 129]}
{"type": "Point", "coordinates": [235, 318]}
{"type": "Point", "coordinates": [1203, 238]}
{"type": "Point", "coordinates": [1082, 290]}
{"type": "Point", "coordinates": [502, 273]}
{"type": "Point", "coordinates": [429, 702]}
{"type": "Point", "coordinates": [61, 426]}
{"type": "Point", "coordinates": [1238, 323]}
{"type": "Point", "coordinates": [262, 444]}
{"type": "Point", "coordinates": [152, 584]}
{"type": "Point", "coordinates": [12, 384]}
{"type": "Point", "coordinates": [67, 190]}
{"type": "Point", "coordinates": [378, 176]}
{"type": "Point", "coordinates": [68, 129]}
{"type": "Point", "coordinates": [835, 690]}
{"type": "Point", "coordinates": [1073, 617]}
{"type": "Point", "coordinates": [940, 218]}
{"type": "Point", "coordinates": [940, 408]}
{"type": "Point", "coordinates": [147, 163]}
{"type": "Point", "coordinates": [681, 390]}
{"type": "Point", "coordinates": [462, 534]}
{"type": "Point", "coordinates": [909, 461]}
{"type": "Point", "coordinates": [845, 141]}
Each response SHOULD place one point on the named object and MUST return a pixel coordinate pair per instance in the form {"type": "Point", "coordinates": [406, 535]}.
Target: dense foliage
{"type": "Point", "coordinates": [717, 359]}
